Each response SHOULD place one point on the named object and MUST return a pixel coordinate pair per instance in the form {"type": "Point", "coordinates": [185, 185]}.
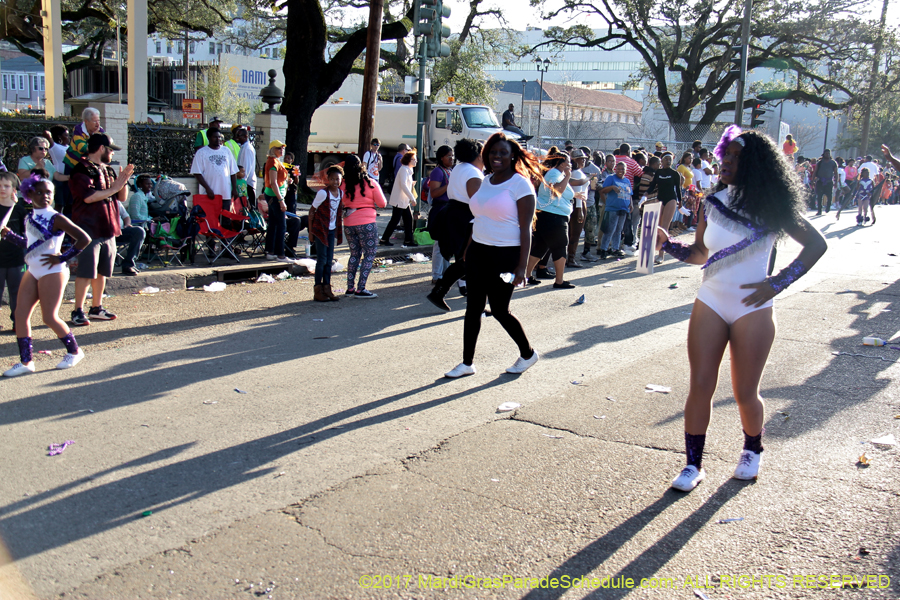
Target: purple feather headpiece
{"type": "Point", "coordinates": [29, 182]}
{"type": "Point", "coordinates": [731, 133]}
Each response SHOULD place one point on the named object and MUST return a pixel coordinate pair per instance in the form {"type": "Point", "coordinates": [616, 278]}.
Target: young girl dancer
{"type": "Point", "coordinates": [47, 272]}
{"type": "Point", "coordinates": [326, 228]}
{"type": "Point", "coordinates": [738, 226]}
{"type": "Point", "coordinates": [863, 197]}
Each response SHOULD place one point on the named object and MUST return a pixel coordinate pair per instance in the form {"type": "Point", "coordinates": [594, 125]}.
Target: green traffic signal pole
{"type": "Point", "coordinates": [420, 124]}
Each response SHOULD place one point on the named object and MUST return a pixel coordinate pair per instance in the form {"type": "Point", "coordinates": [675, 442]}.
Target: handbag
{"type": "Point", "coordinates": [422, 238]}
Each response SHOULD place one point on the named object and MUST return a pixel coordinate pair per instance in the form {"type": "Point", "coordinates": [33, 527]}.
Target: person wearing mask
{"type": "Point", "coordinates": [735, 234]}
{"type": "Point", "coordinates": [617, 189]}
{"type": "Point", "coordinates": [497, 256]}
{"type": "Point", "coordinates": [555, 200]}
{"type": "Point", "coordinates": [456, 220]}
{"type": "Point", "coordinates": [362, 197]}
{"type": "Point", "coordinates": [438, 182]}
{"type": "Point", "coordinates": [403, 198]}
{"type": "Point", "coordinates": [826, 177]}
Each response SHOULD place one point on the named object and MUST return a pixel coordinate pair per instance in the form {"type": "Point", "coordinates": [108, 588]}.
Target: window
{"type": "Point", "coordinates": [168, 47]}
{"type": "Point", "coordinates": [440, 119]}
{"type": "Point", "coordinates": [180, 47]}
{"type": "Point", "coordinates": [228, 49]}
{"type": "Point", "coordinates": [42, 83]}
{"type": "Point", "coordinates": [193, 47]}
{"type": "Point", "coordinates": [159, 47]}
{"type": "Point", "coordinates": [5, 82]}
{"type": "Point", "coordinates": [219, 49]}
{"type": "Point", "coordinates": [22, 82]}
{"type": "Point", "coordinates": [34, 82]}
{"type": "Point", "coordinates": [212, 47]}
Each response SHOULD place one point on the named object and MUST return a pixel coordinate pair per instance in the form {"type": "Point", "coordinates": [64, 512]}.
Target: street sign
{"type": "Point", "coordinates": [192, 108]}
{"type": "Point", "coordinates": [179, 86]}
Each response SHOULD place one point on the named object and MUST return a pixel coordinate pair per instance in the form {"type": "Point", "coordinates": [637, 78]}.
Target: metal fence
{"type": "Point", "coordinates": [16, 132]}
{"type": "Point", "coordinates": [166, 149]}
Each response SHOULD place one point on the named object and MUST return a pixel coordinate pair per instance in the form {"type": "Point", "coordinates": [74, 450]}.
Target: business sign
{"type": "Point", "coordinates": [179, 86]}
{"type": "Point", "coordinates": [192, 108]}
{"type": "Point", "coordinates": [247, 75]}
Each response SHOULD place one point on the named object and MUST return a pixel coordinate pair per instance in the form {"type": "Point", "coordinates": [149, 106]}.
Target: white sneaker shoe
{"type": "Point", "coordinates": [20, 369]}
{"type": "Point", "coordinates": [748, 465]}
{"type": "Point", "coordinates": [70, 360]}
{"type": "Point", "coordinates": [688, 479]}
{"type": "Point", "coordinates": [628, 252]}
{"type": "Point", "coordinates": [271, 257]}
{"type": "Point", "coordinates": [460, 370]}
{"type": "Point", "coordinates": [523, 364]}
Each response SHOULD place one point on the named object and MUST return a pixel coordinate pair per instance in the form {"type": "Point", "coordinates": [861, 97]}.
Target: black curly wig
{"type": "Point", "coordinates": [766, 188]}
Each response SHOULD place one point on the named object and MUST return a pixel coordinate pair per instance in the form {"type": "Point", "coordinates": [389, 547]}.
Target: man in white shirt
{"type": "Point", "coordinates": [215, 170]}
{"type": "Point", "coordinates": [373, 160]}
{"type": "Point", "coordinates": [872, 166]}
{"type": "Point", "coordinates": [580, 185]}
{"type": "Point", "coordinates": [247, 161]}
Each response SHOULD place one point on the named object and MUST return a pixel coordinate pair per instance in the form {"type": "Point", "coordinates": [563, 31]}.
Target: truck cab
{"type": "Point", "coordinates": [452, 122]}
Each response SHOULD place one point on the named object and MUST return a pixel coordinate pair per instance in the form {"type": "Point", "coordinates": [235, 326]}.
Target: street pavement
{"type": "Point", "coordinates": [289, 449]}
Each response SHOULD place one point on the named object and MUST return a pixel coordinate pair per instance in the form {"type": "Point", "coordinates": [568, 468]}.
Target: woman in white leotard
{"type": "Point", "coordinates": [47, 273]}
{"type": "Point", "coordinates": [759, 199]}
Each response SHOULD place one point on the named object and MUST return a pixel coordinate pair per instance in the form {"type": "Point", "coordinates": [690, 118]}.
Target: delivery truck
{"type": "Point", "coordinates": [335, 129]}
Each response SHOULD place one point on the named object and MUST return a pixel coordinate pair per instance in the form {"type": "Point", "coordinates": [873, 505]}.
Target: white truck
{"type": "Point", "coordinates": [335, 129]}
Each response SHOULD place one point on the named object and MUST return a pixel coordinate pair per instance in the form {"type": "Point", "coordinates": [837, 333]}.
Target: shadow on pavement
{"type": "Point", "coordinates": [45, 523]}
{"type": "Point", "coordinates": [650, 560]}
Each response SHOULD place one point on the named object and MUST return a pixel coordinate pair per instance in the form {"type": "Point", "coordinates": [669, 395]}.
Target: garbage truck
{"type": "Point", "coordinates": [335, 129]}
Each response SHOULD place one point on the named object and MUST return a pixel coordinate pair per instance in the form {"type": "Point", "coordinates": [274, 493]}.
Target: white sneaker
{"type": "Point", "coordinates": [271, 257]}
{"type": "Point", "coordinates": [748, 465]}
{"type": "Point", "coordinates": [523, 364]}
{"type": "Point", "coordinates": [286, 260]}
{"type": "Point", "coordinates": [688, 479]}
{"type": "Point", "coordinates": [70, 360]}
{"type": "Point", "coordinates": [628, 252]}
{"type": "Point", "coordinates": [460, 370]}
{"type": "Point", "coordinates": [20, 369]}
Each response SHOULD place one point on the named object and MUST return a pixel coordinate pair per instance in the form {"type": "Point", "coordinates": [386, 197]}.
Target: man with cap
{"type": "Point", "coordinates": [216, 170]}
{"type": "Point", "coordinates": [96, 188]}
{"type": "Point", "coordinates": [202, 139]}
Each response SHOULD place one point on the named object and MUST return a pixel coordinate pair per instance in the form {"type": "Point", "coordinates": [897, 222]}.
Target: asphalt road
{"type": "Point", "coordinates": [290, 449]}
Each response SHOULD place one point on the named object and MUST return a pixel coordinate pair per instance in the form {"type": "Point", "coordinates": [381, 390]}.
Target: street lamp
{"type": "Point", "coordinates": [542, 66]}
{"type": "Point", "coordinates": [522, 108]}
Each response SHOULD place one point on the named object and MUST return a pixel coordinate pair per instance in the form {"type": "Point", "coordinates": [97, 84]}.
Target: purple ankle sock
{"type": "Point", "coordinates": [25, 349]}
{"type": "Point", "coordinates": [753, 442]}
{"type": "Point", "coordinates": [694, 446]}
{"type": "Point", "coordinates": [69, 342]}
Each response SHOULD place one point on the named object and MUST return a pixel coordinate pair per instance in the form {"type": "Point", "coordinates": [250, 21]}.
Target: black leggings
{"type": "Point", "coordinates": [396, 215]}
{"type": "Point", "coordinates": [484, 264]}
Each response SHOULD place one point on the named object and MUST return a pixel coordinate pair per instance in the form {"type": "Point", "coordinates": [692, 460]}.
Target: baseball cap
{"type": "Point", "coordinates": [276, 144]}
{"type": "Point", "coordinates": [101, 139]}
{"type": "Point", "coordinates": [215, 119]}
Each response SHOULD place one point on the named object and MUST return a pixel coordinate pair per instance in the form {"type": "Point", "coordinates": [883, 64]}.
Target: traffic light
{"type": "Point", "coordinates": [436, 46]}
{"type": "Point", "coordinates": [424, 12]}
{"type": "Point", "coordinates": [737, 59]}
{"type": "Point", "coordinates": [756, 114]}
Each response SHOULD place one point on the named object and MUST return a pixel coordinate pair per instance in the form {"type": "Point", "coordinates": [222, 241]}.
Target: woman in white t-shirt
{"type": "Point", "coordinates": [497, 255]}
{"type": "Point", "coordinates": [453, 224]}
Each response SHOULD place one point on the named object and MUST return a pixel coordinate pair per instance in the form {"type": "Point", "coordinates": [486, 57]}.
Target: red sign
{"type": "Point", "coordinates": [192, 108]}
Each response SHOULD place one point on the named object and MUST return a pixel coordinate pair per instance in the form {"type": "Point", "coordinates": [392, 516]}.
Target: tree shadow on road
{"type": "Point", "coordinates": [109, 505]}
{"type": "Point", "coordinates": [651, 560]}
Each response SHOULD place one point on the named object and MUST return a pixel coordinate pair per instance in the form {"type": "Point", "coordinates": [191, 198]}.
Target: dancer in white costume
{"type": "Point", "coordinates": [47, 273]}
{"type": "Point", "coordinates": [757, 201]}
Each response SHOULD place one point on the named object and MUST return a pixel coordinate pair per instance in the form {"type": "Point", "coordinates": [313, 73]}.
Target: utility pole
{"type": "Point", "coordinates": [873, 81]}
{"type": "Point", "coordinates": [742, 79]}
{"type": "Point", "coordinates": [370, 79]}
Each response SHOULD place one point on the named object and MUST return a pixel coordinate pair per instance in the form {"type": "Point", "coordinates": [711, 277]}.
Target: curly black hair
{"type": "Point", "coordinates": [766, 188]}
{"type": "Point", "coordinates": [355, 175]}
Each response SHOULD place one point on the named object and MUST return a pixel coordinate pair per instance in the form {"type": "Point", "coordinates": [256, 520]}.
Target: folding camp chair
{"type": "Point", "coordinates": [163, 237]}
{"type": "Point", "coordinates": [214, 231]}
{"type": "Point", "coordinates": [255, 228]}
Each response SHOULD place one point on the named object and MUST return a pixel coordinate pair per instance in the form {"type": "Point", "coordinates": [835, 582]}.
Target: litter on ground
{"type": "Point", "coordinates": [149, 290]}
{"type": "Point", "coordinates": [216, 286]}
{"type": "Point", "coordinates": [265, 278]}
{"type": "Point", "coordinates": [239, 391]}
{"type": "Point", "coordinates": [418, 257]}
{"type": "Point", "coordinates": [55, 449]}
{"type": "Point", "coordinates": [722, 521]}
{"type": "Point", "coordinates": [652, 387]}
{"type": "Point", "coordinates": [508, 406]}
{"type": "Point", "coordinates": [580, 300]}
{"type": "Point", "coordinates": [885, 440]}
